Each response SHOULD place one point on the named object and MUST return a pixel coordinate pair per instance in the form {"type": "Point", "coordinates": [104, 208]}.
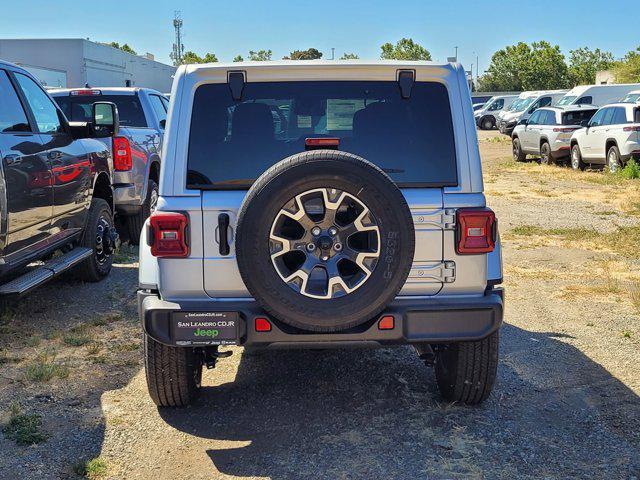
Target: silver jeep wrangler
{"type": "Point", "coordinates": [321, 204]}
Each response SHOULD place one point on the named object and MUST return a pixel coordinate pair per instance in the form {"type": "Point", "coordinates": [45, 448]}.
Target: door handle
{"type": "Point", "coordinates": [12, 159]}
{"type": "Point", "coordinates": [223, 232]}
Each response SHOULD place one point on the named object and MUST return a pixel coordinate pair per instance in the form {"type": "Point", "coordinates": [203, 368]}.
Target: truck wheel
{"type": "Point", "coordinates": [518, 154]}
{"type": "Point", "coordinates": [135, 222]}
{"type": "Point", "coordinates": [576, 158]}
{"type": "Point", "coordinates": [545, 154]}
{"type": "Point", "coordinates": [173, 374]}
{"type": "Point", "coordinates": [99, 235]}
{"type": "Point", "coordinates": [613, 159]}
{"type": "Point", "coordinates": [487, 123]}
{"type": "Point", "coordinates": [466, 371]}
{"type": "Point", "coordinates": [324, 240]}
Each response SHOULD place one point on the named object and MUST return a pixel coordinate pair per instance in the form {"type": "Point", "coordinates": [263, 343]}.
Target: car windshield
{"type": "Point", "coordinates": [232, 143]}
{"type": "Point", "coordinates": [567, 100]}
{"type": "Point", "coordinates": [579, 117]}
{"type": "Point", "coordinates": [631, 98]}
{"type": "Point", "coordinates": [524, 103]}
{"type": "Point", "coordinates": [77, 108]}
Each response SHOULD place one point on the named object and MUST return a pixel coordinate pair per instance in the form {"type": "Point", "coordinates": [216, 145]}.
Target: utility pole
{"type": "Point", "coordinates": [333, 53]}
{"type": "Point", "coordinates": [456, 54]}
{"type": "Point", "coordinates": [178, 47]}
{"type": "Point", "coordinates": [477, 66]}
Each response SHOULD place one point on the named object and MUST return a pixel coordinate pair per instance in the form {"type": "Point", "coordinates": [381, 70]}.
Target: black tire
{"type": "Point", "coordinates": [466, 371]}
{"type": "Point", "coordinates": [135, 222]}
{"type": "Point", "coordinates": [174, 374]}
{"type": "Point", "coordinates": [518, 154]}
{"type": "Point", "coordinates": [545, 154]}
{"type": "Point", "coordinates": [98, 265]}
{"type": "Point", "coordinates": [614, 162]}
{"type": "Point", "coordinates": [576, 158]}
{"type": "Point", "coordinates": [487, 123]}
{"type": "Point", "coordinates": [324, 169]}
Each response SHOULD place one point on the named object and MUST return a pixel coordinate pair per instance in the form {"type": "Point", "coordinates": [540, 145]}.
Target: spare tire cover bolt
{"type": "Point", "coordinates": [333, 231]}
{"type": "Point", "coordinates": [316, 231]}
{"type": "Point", "coordinates": [337, 247]}
{"type": "Point", "coordinates": [311, 247]}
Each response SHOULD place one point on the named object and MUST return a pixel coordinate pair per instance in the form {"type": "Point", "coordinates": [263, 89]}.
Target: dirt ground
{"type": "Point", "coordinates": [566, 403]}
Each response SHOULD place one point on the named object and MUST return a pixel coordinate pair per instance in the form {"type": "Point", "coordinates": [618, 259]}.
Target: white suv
{"type": "Point", "coordinates": [486, 117]}
{"type": "Point", "coordinates": [321, 204]}
{"type": "Point", "coordinates": [548, 132]}
{"type": "Point", "coordinates": [611, 138]}
{"type": "Point", "coordinates": [525, 105]}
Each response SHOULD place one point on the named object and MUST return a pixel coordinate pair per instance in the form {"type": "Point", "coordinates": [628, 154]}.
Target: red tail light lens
{"type": "Point", "coordinates": [317, 143]}
{"type": "Point", "coordinates": [476, 231]}
{"type": "Point", "coordinates": [631, 129]}
{"type": "Point", "coordinates": [565, 130]}
{"type": "Point", "coordinates": [263, 325]}
{"type": "Point", "coordinates": [75, 93]}
{"type": "Point", "coordinates": [167, 234]}
{"type": "Point", "coordinates": [121, 154]}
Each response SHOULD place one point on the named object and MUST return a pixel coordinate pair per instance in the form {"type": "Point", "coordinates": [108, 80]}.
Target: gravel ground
{"type": "Point", "coordinates": [565, 404]}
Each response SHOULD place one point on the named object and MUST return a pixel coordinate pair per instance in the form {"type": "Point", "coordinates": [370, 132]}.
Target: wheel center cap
{"type": "Point", "coordinates": [325, 242]}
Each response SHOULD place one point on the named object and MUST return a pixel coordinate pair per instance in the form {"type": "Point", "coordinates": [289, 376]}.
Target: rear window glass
{"type": "Point", "coordinates": [78, 108]}
{"type": "Point", "coordinates": [232, 143]}
{"type": "Point", "coordinates": [580, 117]}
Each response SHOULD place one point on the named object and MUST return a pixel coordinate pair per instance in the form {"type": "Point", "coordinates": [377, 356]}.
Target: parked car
{"type": "Point", "coordinates": [632, 97]}
{"type": "Point", "coordinates": [361, 221]}
{"type": "Point", "coordinates": [548, 132]}
{"type": "Point", "coordinates": [530, 102]}
{"type": "Point", "coordinates": [55, 187]}
{"type": "Point", "coordinates": [486, 117]}
{"type": "Point", "coordinates": [597, 95]}
{"type": "Point", "coordinates": [136, 148]}
{"type": "Point", "coordinates": [611, 138]}
{"type": "Point", "coordinates": [478, 106]}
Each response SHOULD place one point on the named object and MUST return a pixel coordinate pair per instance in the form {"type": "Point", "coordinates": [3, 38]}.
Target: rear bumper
{"type": "Point", "coordinates": [444, 320]}
{"type": "Point", "coordinates": [126, 200]}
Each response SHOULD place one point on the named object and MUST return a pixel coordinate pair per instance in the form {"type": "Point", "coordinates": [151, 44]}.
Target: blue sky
{"type": "Point", "coordinates": [228, 28]}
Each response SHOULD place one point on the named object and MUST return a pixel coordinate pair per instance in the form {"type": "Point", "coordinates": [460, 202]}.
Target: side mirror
{"type": "Point", "coordinates": [524, 121]}
{"type": "Point", "coordinates": [106, 122]}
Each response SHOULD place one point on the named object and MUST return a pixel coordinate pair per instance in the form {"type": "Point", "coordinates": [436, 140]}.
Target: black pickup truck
{"type": "Point", "coordinates": [56, 195]}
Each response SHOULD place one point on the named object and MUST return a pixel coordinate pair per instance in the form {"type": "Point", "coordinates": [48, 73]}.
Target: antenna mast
{"type": "Point", "coordinates": [178, 47]}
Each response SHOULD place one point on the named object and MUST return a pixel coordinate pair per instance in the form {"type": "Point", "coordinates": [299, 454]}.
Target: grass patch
{"type": "Point", "coordinates": [631, 170]}
{"type": "Point", "coordinates": [634, 295]}
{"type": "Point", "coordinates": [24, 429]}
{"type": "Point", "coordinates": [626, 333]}
{"type": "Point", "coordinates": [94, 347]}
{"type": "Point", "coordinates": [33, 341]}
{"type": "Point", "coordinates": [44, 368]}
{"type": "Point", "coordinates": [125, 347]}
{"type": "Point", "coordinates": [579, 233]}
{"type": "Point", "coordinates": [77, 336]}
{"type": "Point", "coordinates": [106, 319]}
{"type": "Point", "coordinates": [94, 469]}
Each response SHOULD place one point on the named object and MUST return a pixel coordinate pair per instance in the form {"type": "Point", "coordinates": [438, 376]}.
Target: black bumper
{"type": "Point", "coordinates": [415, 321]}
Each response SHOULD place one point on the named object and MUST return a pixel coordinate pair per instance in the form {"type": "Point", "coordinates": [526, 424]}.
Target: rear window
{"type": "Point", "coordinates": [580, 117]}
{"type": "Point", "coordinates": [232, 143]}
{"type": "Point", "coordinates": [78, 108]}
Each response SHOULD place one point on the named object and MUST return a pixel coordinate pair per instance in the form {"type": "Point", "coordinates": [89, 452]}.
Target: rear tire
{"type": "Point", "coordinates": [99, 223]}
{"type": "Point", "coordinates": [466, 371]}
{"type": "Point", "coordinates": [487, 123]}
{"type": "Point", "coordinates": [545, 154]}
{"type": "Point", "coordinates": [174, 374]}
{"type": "Point", "coordinates": [576, 158]}
{"type": "Point", "coordinates": [135, 222]}
{"type": "Point", "coordinates": [518, 154]}
{"type": "Point", "coordinates": [614, 162]}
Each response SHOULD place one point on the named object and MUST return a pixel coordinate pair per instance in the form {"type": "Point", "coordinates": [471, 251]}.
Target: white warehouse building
{"type": "Point", "coordinates": [76, 62]}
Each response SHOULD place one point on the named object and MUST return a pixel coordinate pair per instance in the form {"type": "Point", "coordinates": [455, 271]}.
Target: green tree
{"type": "Point", "coordinates": [210, 58]}
{"type": "Point", "coordinates": [124, 48]}
{"type": "Point", "coordinates": [192, 57]}
{"type": "Point", "coordinates": [309, 54]}
{"type": "Point", "coordinates": [260, 55]}
{"type": "Point", "coordinates": [522, 67]}
{"type": "Point", "coordinates": [238, 58]}
{"type": "Point", "coordinates": [628, 69]}
{"type": "Point", "coordinates": [404, 49]}
{"type": "Point", "coordinates": [349, 56]}
{"type": "Point", "coordinates": [584, 63]}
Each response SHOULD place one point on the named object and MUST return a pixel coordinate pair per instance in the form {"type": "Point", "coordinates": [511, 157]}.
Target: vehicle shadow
{"type": "Point", "coordinates": [376, 414]}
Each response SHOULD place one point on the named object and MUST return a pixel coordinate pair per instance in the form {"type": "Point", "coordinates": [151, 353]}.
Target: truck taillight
{"type": "Point", "coordinates": [121, 154]}
{"type": "Point", "coordinates": [167, 234]}
{"type": "Point", "coordinates": [476, 231]}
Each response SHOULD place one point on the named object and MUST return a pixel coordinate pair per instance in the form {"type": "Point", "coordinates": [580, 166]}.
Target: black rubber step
{"type": "Point", "coordinates": [39, 275]}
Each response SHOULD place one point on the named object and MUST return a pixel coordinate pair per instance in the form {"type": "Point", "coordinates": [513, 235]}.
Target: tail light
{"type": "Point", "coordinates": [631, 129]}
{"type": "Point", "coordinates": [476, 231]}
{"type": "Point", "coordinates": [323, 142]}
{"type": "Point", "coordinates": [81, 93]}
{"type": "Point", "coordinates": [566, 129]}
{"type": "Point", "coordinates": [121, 154]}
{"type": "Point", "coordinates": [167, 234]}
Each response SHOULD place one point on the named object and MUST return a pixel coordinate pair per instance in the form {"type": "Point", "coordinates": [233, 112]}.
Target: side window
{"type": "Point", "coordinates": [535, 118]}
{"type": "Point", "coordinates": [596, 120]}
{"type": "Point", "coordinates": [497, 105]}
{"type": "Point", "coordinates": [636, 115]}
{"type": "Point", "coordinates": [12, 116]}
{"type": "Point", "coordinates": [165, 102]}
{"type": "Point", "coordinates": [545, 101]}
{"type": "Point", "coordinates": [44, 110]}
{"type": "Point", "coordinates": [608, 116]}
{"type": "Point", "coordinates": [158, 107]}
{"type": "Point", "coordinates": [549, 118]}
{"type": "Point", "coordinates": [584, 100]}
{"type": "Point", "coordinates": [619, 116]}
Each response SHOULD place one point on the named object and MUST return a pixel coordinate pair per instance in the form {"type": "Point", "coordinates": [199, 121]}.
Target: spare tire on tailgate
{"type": "Point", "coordinates": [324, 240]}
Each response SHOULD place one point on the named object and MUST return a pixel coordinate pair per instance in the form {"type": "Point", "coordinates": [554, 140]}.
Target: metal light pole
{"type": "Point", "coordinates": [456, 54]}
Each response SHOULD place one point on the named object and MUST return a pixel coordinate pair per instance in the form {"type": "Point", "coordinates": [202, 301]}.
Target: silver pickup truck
{"type": "Point", "coordinates": [136, 149]}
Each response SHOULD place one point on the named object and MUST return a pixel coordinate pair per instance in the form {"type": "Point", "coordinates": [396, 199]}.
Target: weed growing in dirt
{"type": "Point", "coordinates": [579, 233]}
{"type": "Point", "coordinates": [94, 469]}
{"type": "Point", "coordinates": [93, 348]}
{"type": "Point", "coordinates": [33, 341]}
{"type": "Point", "coordinates": [44, 368]}
{"type": "Point", "coordinates": [125, 347]}
{"type": "Point", "coordinates": [626, 333]}
{"type": "Point", "coordinates": [24, 429]}
{"type": "Point", "coordinates": [77, 336]}
{"type": "Point", "coordinates": [106, 319]}
{"type": "Point", "coordinates": [631, 170]}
